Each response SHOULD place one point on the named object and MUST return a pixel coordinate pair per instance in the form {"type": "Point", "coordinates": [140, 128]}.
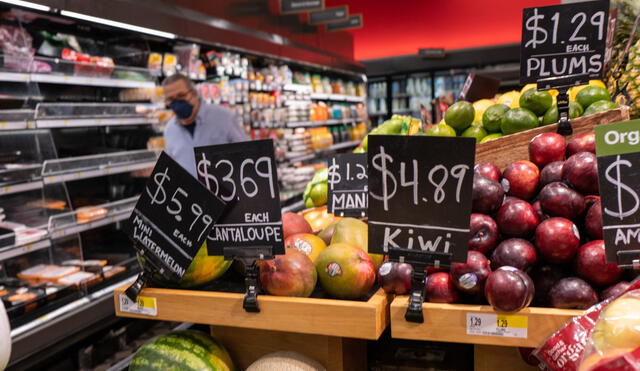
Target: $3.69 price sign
{"type": "Point", "coordinates": [173, 217]}
{"type": "Point", "coordinates": [243, 175]}
{"type": "Point", "coordinates": [618, 149]}
{"type": "Point", "coordinates": [420, 194]}
{"type": "Point", "coordinates": [564, 41]}
{"type": "Point", "coordinates": [348, 184]}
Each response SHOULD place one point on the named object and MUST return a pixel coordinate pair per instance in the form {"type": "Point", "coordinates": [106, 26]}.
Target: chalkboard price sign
{"type": "Point", "coordinates": [348, 184]}
{"type": "Point", "coordinates": [618, 149]}
{"type": "Point", "coordinates": [420, 195]}
{"type": "Point", "coordinates": [245, 176]}
{"type": "Point", "coordinates": [564, 41]}
{"type": "Point", "coordinates": [172, 218]}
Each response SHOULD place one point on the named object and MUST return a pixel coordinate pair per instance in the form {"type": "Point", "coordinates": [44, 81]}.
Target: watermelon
{"type": "Point", "coordinates": [182, 350]}
{"type": "Point", "coordinates": [203, 269]}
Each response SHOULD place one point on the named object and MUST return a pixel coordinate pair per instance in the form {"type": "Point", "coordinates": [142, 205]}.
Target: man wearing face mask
{"type": "Point", "coordinates": [195, 123]}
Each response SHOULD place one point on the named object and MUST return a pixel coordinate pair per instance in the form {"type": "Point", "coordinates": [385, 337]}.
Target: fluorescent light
{"type": "Point", "coordinates": [108, 22]}
{"type": "Point", "coordinates": [27, 4]}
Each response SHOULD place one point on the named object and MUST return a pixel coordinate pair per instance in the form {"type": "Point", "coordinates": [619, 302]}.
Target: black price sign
{"type": "Point", "coordinates": [172, 218]}
{"type": "Point", "coordinates": [243, 175]}
{"type": "Point", "coordinates": [564, 41]}
{"type": "Point", "coordinates": [618, 150]}
{"type": "Point", "coordinates": [298, 6]}
{"type": "Point", "coordinates": [354, 21]}
{"type": "Point", "coordinates": [348, 184]}
{"type": "Point", "coordinates": [420, 195]}
{"type": "Point", "coordinates": [338, 13]}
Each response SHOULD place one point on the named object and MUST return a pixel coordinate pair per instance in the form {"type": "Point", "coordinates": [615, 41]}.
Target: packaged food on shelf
{"type": "Point", "coordinates": [88, 214]}
{"type": "Point", "coordinates": [34, 274]}
{"type": "Point", "coordinates": [56, 274]}
{"type": "Point", "coordinates": [49, 203]}
{"type": "Point", "coordinates": [80, 278]}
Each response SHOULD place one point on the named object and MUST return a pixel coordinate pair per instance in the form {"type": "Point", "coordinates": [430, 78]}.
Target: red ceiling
{"type": "Point", "coordinates": [402, 26]}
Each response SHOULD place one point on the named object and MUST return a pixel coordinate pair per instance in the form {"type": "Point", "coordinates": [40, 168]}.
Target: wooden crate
{"type": "Point", "coordinates": [503, 151]}
{"type": "Point", "coordinates": [448, 322]}
{"type": "Point", "coordinates": [329, 317]}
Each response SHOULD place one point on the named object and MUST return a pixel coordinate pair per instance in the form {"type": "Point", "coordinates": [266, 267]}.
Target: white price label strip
{"type": "Point", "coordinates": [145, 305]}
{"type": "Point", "coordinates": [503, 325]}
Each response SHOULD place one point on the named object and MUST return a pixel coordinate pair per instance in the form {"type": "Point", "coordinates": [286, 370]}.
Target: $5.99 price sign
{"type": "Point", "coordinates": [618, 149]}
{"type": "Point", "coordinates": [564, 41]}
{"type": "Point", "coordinates": [172, 218]}
{"type": "Point", "coordinates": [348, 184]}
{"type": "Point", "coordinates": [243, 175]}
{"type": "Point", "coordinates": [420, 194]}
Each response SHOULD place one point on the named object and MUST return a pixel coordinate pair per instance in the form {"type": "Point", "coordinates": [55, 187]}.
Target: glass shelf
{"type": "Point", "coordinates": [83, 167]}
{"type": "Point", "coordinates": [72, 222]}
{"type": "Point", "coordinates": [60, 71]}
{"type": "Point", "coordinates": [17, 250]}
{"type": "Point", "coordinates": [307, 124]}
{"type": "Point", "coordinates": [60, 115]}
{"type": "Point", "coordinates": [16, 119]}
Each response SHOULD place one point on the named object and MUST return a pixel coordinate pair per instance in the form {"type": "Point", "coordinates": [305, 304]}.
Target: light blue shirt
{"type": "Point", "coordinates": [214, 125]}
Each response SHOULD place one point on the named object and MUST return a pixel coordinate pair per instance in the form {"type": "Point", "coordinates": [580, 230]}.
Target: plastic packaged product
{"type": "Point", "coordinates": [110, 271]}
{"type": "Point", "coordinates": [56, 274]}
{"type": "Point", "coordinates": [90, 213]}
{"type": "Point", "coordinates": [34, 274]}
{"type": "Point", "coordinates": [79, 278]}
{"type": "Point", "coordinates": [169, 64]}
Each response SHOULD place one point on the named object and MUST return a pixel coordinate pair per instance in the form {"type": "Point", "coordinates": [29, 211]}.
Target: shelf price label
{"type": "Point", "coordinates": [618, 150]}
{"type": "Point", "coordinates": [172, 218]}
{"type": "Point", "coordinates": [245, 176]}
{"type": "Point", "coordinates": [503, 325]}
{"type": "Point", "coordinates": [420, 195]}
{"type": "Point", "coordinates": [145, 305]}
{"type": "Point", "coordinates": [564, 41]}
{"type": "Point", "coordinates": [348, 184]}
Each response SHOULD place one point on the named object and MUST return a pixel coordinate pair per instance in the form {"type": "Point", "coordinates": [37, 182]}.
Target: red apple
{"type": "Point", "coordinates": [514, 252]}
{"type": "Point", "coordinates": [517, 218]}
{"type": "Point", "coordinates": [538, 208]}
{"type": "Point", "coordinates": [593, 221]}
{"type": "Point", "coordinates": [580, 171]}
{"type": "Point", "coordinates": [572, 293]}
{"type": "Point", "coordinates": [469, 277]}
{"type": "Point", "coordinates": [557, 199]}
{"type": "Point", "coordinates": [581, 143]}
{"type": "Point", "coordinates": [614, 291]}
{"type": "Point", "coordinates": [551, 173]}
{"type": "Point", "coordinates": [557, 240]}
{"type": "Point", "coordinates": [292, 274]}
{"type": "Point", "coordinates": [487, 195]}
{"type": "Point", "coordinates": [544, 277]}
{"type": "Point", "coordinates": [395, 278]}
{"type": "Point", "coordinates": [293, 223]}
{"type": "Point", "coordinates": [509, 289]}
{"type": "Point", "coordinates": [591, 265]}
{"type": "Point", "coordinates": [488, 170]}
{"type": "Point", "coordinates": [484, 234]}
{"type": "Point", "coordinates": [589, 200]}
{"type": "Point", "coordinates": [546, 148]}
{"type": "Point", "coordinates": [439, 288]}
{"type": "Point", "coordinates": [520, 179]}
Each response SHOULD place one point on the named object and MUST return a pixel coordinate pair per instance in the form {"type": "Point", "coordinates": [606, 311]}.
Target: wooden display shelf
{"type": "Point", "coordinates": [504, 150]}
{"type": "Point", "coordinates": [328, 317]}
{"type": "Point", "coordinates": [448, 322]}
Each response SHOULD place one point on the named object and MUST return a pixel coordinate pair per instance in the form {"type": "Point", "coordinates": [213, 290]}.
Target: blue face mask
{"type": "Point", "coordinates": [182, 108]}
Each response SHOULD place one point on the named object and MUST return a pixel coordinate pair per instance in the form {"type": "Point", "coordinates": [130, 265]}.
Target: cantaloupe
{"type": "Point", "coordinates": [285, 361]}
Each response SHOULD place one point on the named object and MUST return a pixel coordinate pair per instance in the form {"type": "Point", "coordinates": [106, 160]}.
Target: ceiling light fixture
{"type": "Point", "coordinates": [125, 26]}
{"type": "Point", "coordinates": [27, 4]}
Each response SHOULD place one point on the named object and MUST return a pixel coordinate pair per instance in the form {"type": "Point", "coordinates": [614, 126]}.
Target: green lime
{"type": "Point", "coordinates": [591, 94]}
{"type": "Point", "coordinates": [319, 194]}
{"type": "Point", "coordinates": [599, 106]}
{"type": "Point", "coordinates": [537, 101]}
{"type": "Point", "coordinates": [308, 203]}
{"type": "Point", "coordinates": [490, 137]}
{"type": "Point", "coordinates": [551, 116]}
{"type": "Point", "coordinates": [575, 110]}
{"type": "Point", "coordinates": [493, 116]}
{"type": "Point", "coordinates": [440, 130]}
{"type": "Point", "coordinates": [460, 115]}
{"type": "Point", "coordinates": [518, 119]}
{"type": "Point", "coordinates": [475, 131]}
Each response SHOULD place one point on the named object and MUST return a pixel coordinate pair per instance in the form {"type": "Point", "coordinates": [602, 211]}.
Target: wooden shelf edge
{"type": "Point", "coordinates": [340, 318]}
{"type": "Point", "coordinates": [447, 322]}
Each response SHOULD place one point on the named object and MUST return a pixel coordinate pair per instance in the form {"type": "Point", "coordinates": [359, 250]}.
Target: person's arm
{"type": "Point", "coordinates": [235, 133]}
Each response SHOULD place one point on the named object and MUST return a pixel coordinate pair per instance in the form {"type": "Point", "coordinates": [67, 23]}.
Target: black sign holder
{"type": "Point", "coordinates": [562, 84]}
{"type": "Point", "coordinates": [248, 256]}
{"type": "Point", "coordinates": [151, 267]}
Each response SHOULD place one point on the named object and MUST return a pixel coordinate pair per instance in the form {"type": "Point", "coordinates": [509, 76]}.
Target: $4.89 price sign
{"type": "Point", "coordinates": [348, 184]}
{"type": "Point", "coordinates": [420, 194]}
{"type": "Point", "coordinates": [618, 149]}
{"type": "Point", "coordinates": [564, 41]}
{"type": "Point", "coordinates": [243, 175]}
{"type": "Point", "coordinates": [173, 217]}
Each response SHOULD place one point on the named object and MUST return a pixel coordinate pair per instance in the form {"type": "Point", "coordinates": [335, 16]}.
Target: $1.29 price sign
{"type": "Point", "coordinates": [172, 218]}
{"type": "Point", "coordinates": [348, 184]}
{"type": "Point", "coordinates": [243, 175]}
{"type": "Point", "coordinates": [618, 149]}
{"type": "Point", "coordinates": [420, 194]}
{"type": "Point", "coordinates": [564, 41]}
